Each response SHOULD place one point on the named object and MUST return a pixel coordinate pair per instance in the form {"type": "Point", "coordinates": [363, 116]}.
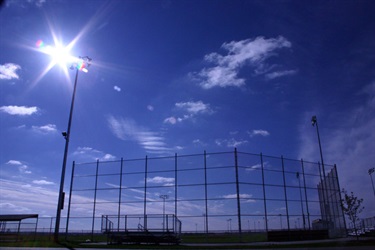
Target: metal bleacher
{"type": "Point", "coordinates": [138, 229]}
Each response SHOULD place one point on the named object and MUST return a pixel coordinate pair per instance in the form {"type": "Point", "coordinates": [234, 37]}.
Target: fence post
{"type": "Point", "coordinates": [175, 184]}
{"type": "Point", "coordinates": [96, 189]}
{"type": "Point", "coordinates": [238, 194]}
{"type": "Point", "coordinates": [264, 193]}
{"type": "Point", "coordinates": [145, 196]}
{"type": "Point", "coordinates": [70, 200]}
{"type": "Point", "coordinates": [304, 186]}
{"type": "Point", "coordinates": [119, 197]}
{"type": "Point", "coordinates": [341, 212]}
{"type": "Point", "coordinates": [205, 193]}
{"type": "Point", "coordinates": [285, 194]}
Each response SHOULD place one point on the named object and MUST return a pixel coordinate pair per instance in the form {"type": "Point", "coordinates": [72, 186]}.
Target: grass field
{"type": "Point", "coordinates": [189, 241]}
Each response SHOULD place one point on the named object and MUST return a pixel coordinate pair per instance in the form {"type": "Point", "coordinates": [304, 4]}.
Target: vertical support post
{"type": "Point", "coordinates": [301, 200]}
{"type": "Point", "coordinates": [94, 210]}
{"type": "Point", "coordinates": [126, 222]}
{"type": "Point", "coordinates": [264, 193]}
{"type": "Point", "coordinates": [323, 207]}
{"type": "Point", "coordinates": [175, 184]}
{"type": "Point", "coordinates": [175, 187]}
{"type": "Point", "coordinates": [119, 197]}
{"type": "Point", "coordinates": [285, 194]}
{"type": "Point", "coordinates": [339, 190]}
{"type": "Point", "coordinates": [205, 193]}
{"type": "Point", "coordinates": [238, 194]}
{"type": "Point", "coordinates": [70, 200]}
{"type": "Point", "coordinates": [145, 196]}
{"type": "Point", "coordinates": [304, 186]}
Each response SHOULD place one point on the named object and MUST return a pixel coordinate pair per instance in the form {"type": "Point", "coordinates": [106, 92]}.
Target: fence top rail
{"type": "Point", "coordinates": [199, 154]}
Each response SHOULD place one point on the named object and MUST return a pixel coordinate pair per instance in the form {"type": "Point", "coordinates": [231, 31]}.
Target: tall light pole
{"type": "Point", "coordinates": [164, 197]}
{"type": "Point", "coordinates": [81, 65]}
{"type": "Point", "coordinates": [370, 172]}
{"type": "Point", "coordinates": [314, 121]}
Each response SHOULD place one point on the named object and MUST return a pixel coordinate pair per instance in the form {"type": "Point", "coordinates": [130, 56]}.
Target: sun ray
{"type": "Point", "coordinates": [60, 54]}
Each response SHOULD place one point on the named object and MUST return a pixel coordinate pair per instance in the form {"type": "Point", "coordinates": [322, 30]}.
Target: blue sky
{"type": "Point", "coordinates": [183, 77]}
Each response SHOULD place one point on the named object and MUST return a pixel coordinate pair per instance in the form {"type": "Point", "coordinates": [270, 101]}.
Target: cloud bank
{"type": "Point", "coordinates": [225, 68]}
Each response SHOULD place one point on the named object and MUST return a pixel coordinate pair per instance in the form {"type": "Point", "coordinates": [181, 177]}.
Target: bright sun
{"type": "Point", "coordinates": [59, 54]}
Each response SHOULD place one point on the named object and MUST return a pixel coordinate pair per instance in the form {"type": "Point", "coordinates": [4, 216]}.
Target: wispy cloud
{"type": "Point", "coordinates": [161, 180]}
{"type": "Point", "coordinates": [19, 110]}
{"type": "Point", "coordinates": [88, 153]}
{"type": "Point", "coordinates": [242, 196]}
{"type": "Point", "coordinates": [230, 143]}
{"type": "Point", "coordinates": [22, 168]}
{"type": "Point", "coordinates": [126, 129]}
{"type": "Point", "coordinates": [8, 71]}
{"type": "Point", "coordinates": [277, 74]}
{"type": "Point", "coordinates": [26, 198]}
{"type": "Point", "coordinates": [225, 69]}
{"type": "Point", "coordinates": [192, 109]}
{"type": "Point", "coordinates": [45, 129]}
{"type": "Point", "coordinates": [260, 132]}
{"type": "Point", "coordinates": [24, 4]}
{"type": "Point", "coordinates": [43, 182]}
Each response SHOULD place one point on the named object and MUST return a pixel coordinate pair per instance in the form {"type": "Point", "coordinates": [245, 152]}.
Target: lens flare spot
{"type": "Point", "coordinates": [39, 44]}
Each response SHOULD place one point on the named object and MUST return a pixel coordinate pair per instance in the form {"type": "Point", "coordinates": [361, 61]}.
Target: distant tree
{"type": "Point", "coordinates": [352, 207]}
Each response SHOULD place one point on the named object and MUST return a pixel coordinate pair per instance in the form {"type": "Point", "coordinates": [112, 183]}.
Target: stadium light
{"type": "Point", "coordinates": [80, 65]}
{"type": "Point", "coordinates": [314, 121]}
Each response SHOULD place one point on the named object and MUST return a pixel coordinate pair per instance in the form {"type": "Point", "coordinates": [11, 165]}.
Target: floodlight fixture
{"type": "Point", "coordinates": [313, 120]}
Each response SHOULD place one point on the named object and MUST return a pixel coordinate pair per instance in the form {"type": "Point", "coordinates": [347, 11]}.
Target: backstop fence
{"type": "Point", "coordinates": [232, 192]}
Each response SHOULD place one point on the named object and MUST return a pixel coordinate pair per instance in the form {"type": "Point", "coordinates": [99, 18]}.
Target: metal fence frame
{"type": "Point", "coordinates": [238, 162]}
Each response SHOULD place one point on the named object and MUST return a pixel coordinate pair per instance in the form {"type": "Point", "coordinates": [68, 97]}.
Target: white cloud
{"type": "Point", "coordinates": [117, 88]}
{"type": "Point", "coordinates": [234, 196]}
{"type": "Point", "coordinates": [277, 74]}
{"type": "Point", "coordinates": [43, 182]}
{"type": "Point", "coordinates": [14, 162]}
{"type": "Point", "coordinates": [254, 167]}
{"type": "Point", "coordinates": [150, 107]}
{"type": "Point", "coordinates": [8, 71]}
{"type": "Point", "coordinates": [171, 120]}
{"type": "Point", "coordinates": [19, 110]}
{"type": "Point", "coordinates": [23, 197]}
{"type": "Point", "coordinates": [199, 142]}
{"type": "Point", "coordinates": [194, 107]}
{"type": "Point", "coordinates": [225, 71]}
{"type": "Point", "coordinates": [22, 168]}
{"type": "Point", "coordinates": [49, 128]}
{"type": "Point", "coordinates": [258, 132]}
{"type": "Point", "coordinates": [230, 143]}
{"type": "Point", "coordinates": [160, 180]}
{"type": "Point", "coordinates": [126, 129]}
{"type": "Point", "coordinates": [93, 154]}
